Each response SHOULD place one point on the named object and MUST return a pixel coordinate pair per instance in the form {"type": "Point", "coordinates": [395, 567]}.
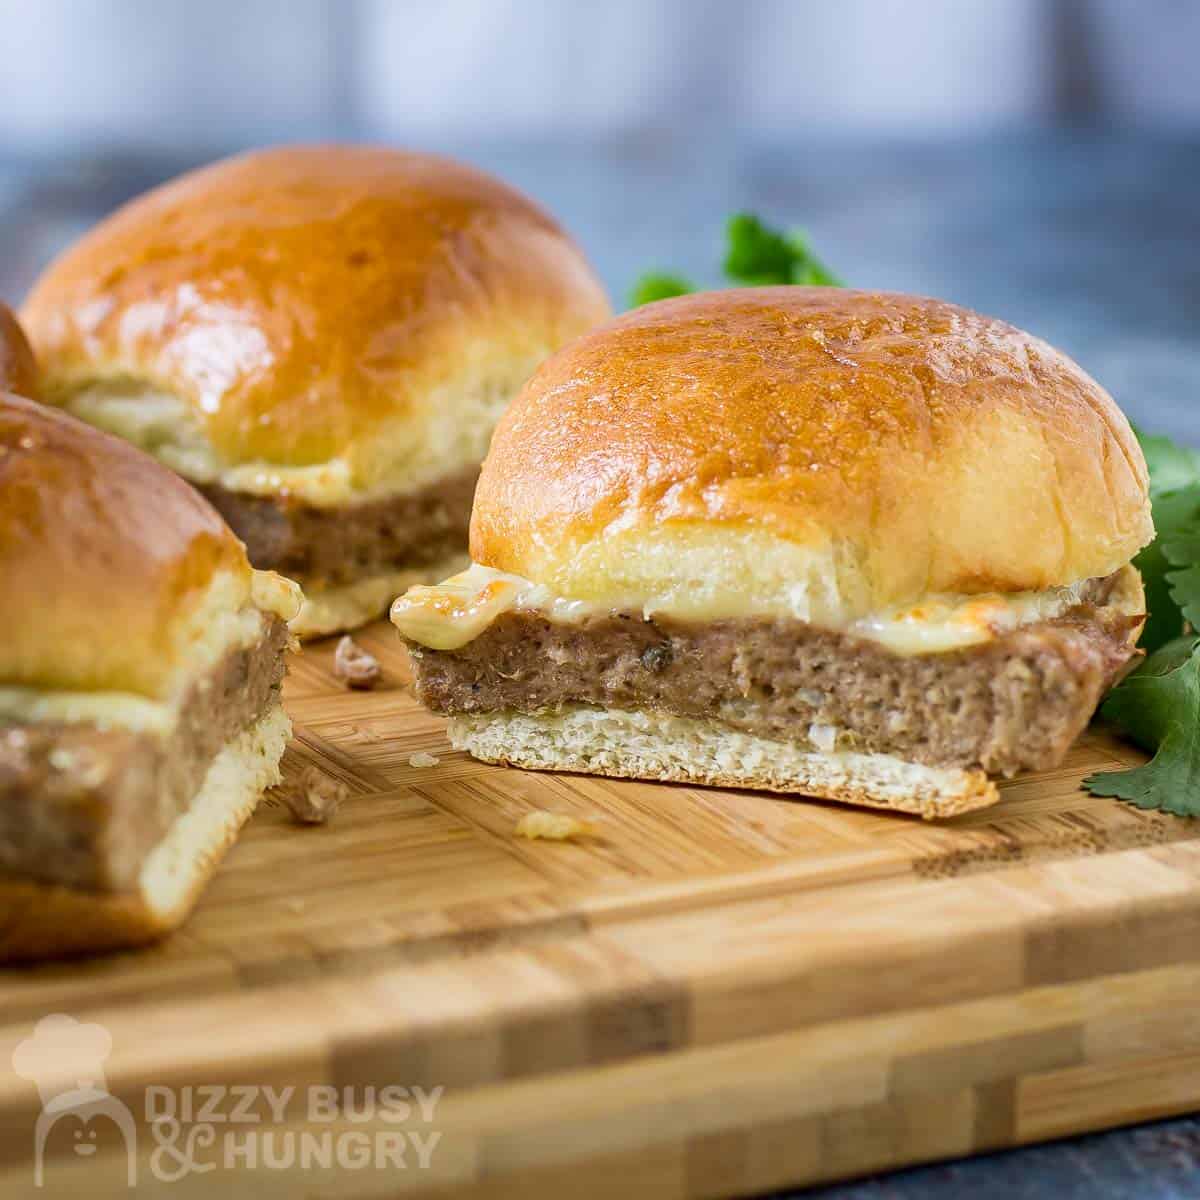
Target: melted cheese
{"type": "Point", "coordinates": [211, 631]}
{"type": "Point", "coordinates": [443, 428]}
{"type": "Point", "coordinates": [165, 426]}
{"type": "Point", "coordinates": [951, 622]}
{"type": "Point", "coordinates": [276, 594]}
{"type": "Point", "coordinates": [449, 615]}
{"type": "Point", "coordinates": [106, 710]}
{"type": "Point", "coordinates": [222, 620]}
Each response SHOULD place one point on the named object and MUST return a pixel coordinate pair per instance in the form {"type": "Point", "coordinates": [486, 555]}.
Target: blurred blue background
{"type": "Point", "coordinates": [177, 73]}
{"type": "Point", "coordinates": [1038, 159]}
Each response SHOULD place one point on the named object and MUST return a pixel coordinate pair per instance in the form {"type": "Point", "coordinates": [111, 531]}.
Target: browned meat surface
{"type": "Point", "coordinates": [1014, 703]}
{"type": "Point", "coordinates": [332, 546]}
{"type": "Point", "coordinates": [82, 805]}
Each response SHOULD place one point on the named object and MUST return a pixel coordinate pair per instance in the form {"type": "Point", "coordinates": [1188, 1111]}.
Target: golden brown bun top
{"type": "Point", "coordinates": [18, 371]}
{"type": "Point", "coordinates": [299, 296]}
{"type": "Point", "coordinates": [104, 556]}
{"type": "Point", "coordinates": [871, 448]}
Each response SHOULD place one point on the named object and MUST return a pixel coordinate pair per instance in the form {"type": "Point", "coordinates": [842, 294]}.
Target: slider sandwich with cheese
{"type": "Point", "coordinates": [853, 545]}
{"type": "Point", "coordinates": [140, 668]}
{"type": "Point", "coordinates": [320, 338]}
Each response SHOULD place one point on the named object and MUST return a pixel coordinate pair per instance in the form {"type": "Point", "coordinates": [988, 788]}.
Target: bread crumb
{"type": "Point", "coordinates": [553, 827]}
{"type": "Point", "coordinates": [421, 759]}
{"type": "Point", "coordinates": [354, 666]}
{"type": "Point", "coordinates": [315, 797]}
{"type": "Point", "coordinates": [87, 769]}
{"type": "Point", "coordinates": [823, 737]}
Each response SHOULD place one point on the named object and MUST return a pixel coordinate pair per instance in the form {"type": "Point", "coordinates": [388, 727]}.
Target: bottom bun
{"type": "Point", "coordinates": [649, 745]}
{"type": "Point", "coordinates": [338, 609]}
{"type": "Point", "coordinates": [40, 920]}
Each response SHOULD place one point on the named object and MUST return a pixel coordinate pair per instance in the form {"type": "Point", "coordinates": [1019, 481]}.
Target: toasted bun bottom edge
{"type": "Point", "coordinates": [338, 609]}
{"type": "Point", "coordinates": [40, 920]}
{"type": "Point", "coordinates": [659, 746]}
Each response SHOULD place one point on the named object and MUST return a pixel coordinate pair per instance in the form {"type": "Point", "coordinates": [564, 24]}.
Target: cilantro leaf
{"type": "Point", "coordinates": [755, 255]}
{"type": "Point", "coordinates": [1170, 565]}
{"type": "Point", "coordinates": [658, 286]}
{"type": "Point", "coordinates": [1180, 539]}
{"type": "Point", "coordinates": [1157, 707]}
{"type": "Point", "coordinates": [758, 255]}
{"type": "Point", "coordinates": [1171, 465]}
{"type": "Point", "coordinates": [1163, 618]}
{"type": "Point", "coordinates": [813, 273]}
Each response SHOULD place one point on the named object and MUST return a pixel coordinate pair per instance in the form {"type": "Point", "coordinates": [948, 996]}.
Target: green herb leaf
{"type": "Point", "coordinates": [658, 286]}
{"type": "Point", "coordinates": [1170, 565]}
{"type": "Point", "coordinates": [812, 273]}
{"type": "Point", "coordinates": [758, 255]}
{"type": "Point", "coordinates": [1164, 621]}
{"type": "Point", "coordinates": [1171, 465]}
{"type": "Point", "coordinates": [1157, 706]}
{"type": "Point", "coordinates": [1180, 539]}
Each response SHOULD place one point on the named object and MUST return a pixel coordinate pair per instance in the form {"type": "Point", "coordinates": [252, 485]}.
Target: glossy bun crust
{"type": "Point", "coordinates": [104, 555]}
{"type": "Point", "coordinates": [308, 302]}
{"type": "Point", "coordinates": [18, 370]}
{"type": "Point", "coordinates": [866, 448]}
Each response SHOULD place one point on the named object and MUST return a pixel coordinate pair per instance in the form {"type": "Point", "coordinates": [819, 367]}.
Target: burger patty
{"type": "Point", "coordinates": [1016, 702]}
{"type": "Point", "coordinates": [332, 546]}
{"type": "Point", "coordinates": [83, 805]}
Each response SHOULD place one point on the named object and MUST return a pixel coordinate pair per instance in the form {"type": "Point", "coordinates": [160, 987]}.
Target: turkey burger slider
{"type": "Point", "coordinates": [140, 668]}
{"type": "Point", "coordinates": [321, 339]}
{"type": "Point", "coordinates": [866, 547]}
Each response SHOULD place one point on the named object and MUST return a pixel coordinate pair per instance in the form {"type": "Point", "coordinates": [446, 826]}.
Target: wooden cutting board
{"type": "Point", "coordinates": [722, 993]}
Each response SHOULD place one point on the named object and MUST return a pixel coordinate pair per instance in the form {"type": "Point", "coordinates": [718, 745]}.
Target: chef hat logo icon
{"type": "Point", "coordinates": [64, 1058]}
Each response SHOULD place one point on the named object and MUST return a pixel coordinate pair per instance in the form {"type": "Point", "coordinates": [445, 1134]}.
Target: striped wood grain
{"type": "Point", "coordinates": [724, 992]}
